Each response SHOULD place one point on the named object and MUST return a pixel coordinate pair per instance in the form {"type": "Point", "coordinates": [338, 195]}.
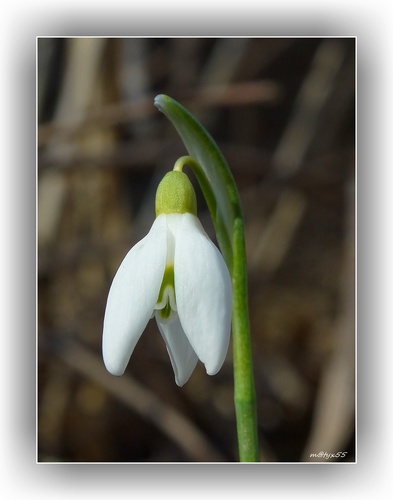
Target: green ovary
{"type": "Point", "coordinates": [175, 195]}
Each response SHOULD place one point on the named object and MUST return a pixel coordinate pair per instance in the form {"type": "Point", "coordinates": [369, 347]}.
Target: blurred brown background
{"type": "Point", "coordinates": [283, 113]}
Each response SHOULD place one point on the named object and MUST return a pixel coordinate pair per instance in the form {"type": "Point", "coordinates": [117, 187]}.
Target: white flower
{"type": "Point", "coordinates": [177, 275]}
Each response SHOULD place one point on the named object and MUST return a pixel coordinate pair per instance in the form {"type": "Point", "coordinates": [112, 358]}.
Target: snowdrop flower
{"type": "Point", "coordinates": [177, 275]}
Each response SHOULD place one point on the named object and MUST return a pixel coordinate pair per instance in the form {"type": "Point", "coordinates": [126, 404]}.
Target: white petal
{"type": "Point", "coordinates": [181, 354]}
{"type": "Point", "coordinates": [132, 297]}
{"type": "Point", "coordinates": [203, 293]}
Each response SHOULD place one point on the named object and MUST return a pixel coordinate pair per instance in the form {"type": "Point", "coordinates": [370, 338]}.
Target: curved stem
{"type": "Point", "coordinates": [222, 197]}
{"type": "Point", "coordinates": [235, 252]}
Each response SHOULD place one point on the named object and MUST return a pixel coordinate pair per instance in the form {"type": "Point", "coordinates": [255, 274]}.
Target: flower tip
{"type": "Point", "coordinates": [213, 370]}
{"type": "Point", "coordinates": [114, 369]}
{"type": "Point", "coordinates": [179, 383]}
{"type": "Point", "coordinates": [114, 364]}
{"type": "Point", "coordinates": [181, 379]}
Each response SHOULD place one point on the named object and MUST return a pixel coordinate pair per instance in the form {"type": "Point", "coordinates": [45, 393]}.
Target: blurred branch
{"type": "Point", "coordinates": [84, 56]}
{"type": "Point", "coordinates": [290, 154]}
{"type": "Point", "coordinates": [279, 232]}
{"type": "Point", "coordinates": [139, 399]}
{"type": "Point", "coordinates": [335, 406]}
{"type": "Point", "coordinates": [213, 96]}
{"type": "Point", "coordinates": [314, 93]}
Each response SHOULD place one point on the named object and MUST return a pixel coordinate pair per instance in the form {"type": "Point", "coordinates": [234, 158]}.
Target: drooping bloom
{"type": "Point", "coordinates": [177, 275]}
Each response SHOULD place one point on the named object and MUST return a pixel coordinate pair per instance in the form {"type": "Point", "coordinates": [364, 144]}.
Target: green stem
{"type": "Point", "coordinates": [246, 415]}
